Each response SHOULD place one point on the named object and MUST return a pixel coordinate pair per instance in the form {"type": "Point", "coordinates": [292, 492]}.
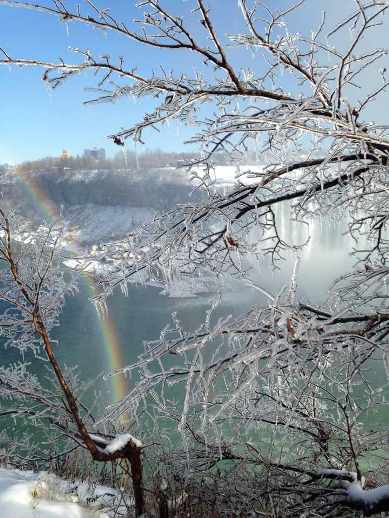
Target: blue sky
{"type": "Point", "coordinates": [36, 121]}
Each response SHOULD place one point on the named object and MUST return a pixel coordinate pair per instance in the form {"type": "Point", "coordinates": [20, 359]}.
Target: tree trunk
{"type": "Point", "coordinates": [135, 459]}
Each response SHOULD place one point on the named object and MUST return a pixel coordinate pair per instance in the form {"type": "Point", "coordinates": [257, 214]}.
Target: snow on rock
{"type": "Point", "coordinates": [120, 441]}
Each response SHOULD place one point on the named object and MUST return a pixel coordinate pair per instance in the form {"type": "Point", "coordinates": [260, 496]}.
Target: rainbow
{"type": "Point", "coordinates": [112, 345]}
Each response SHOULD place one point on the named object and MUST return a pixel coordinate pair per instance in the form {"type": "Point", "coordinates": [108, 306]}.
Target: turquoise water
{"type": "Point", "coordinates": [138, 317]}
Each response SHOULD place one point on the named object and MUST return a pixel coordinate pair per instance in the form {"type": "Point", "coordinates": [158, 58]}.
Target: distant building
{"type": "Point", "coordinates": [65, 154]}
{"type": "Point", "coordinates": [95, 154]}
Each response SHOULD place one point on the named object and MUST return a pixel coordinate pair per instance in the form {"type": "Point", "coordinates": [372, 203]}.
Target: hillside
{"type": "Point", "coordinates": [99, 204]}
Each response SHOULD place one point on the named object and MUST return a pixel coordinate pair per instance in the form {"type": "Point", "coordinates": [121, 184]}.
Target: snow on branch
{"type": "Point", "coordinates": [370, 501]}
{"type": "Point", "coordinates": [121, 441]}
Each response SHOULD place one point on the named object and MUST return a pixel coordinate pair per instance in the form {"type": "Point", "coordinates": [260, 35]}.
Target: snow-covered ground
{"type": "Point", "coordinates": [24, 494]}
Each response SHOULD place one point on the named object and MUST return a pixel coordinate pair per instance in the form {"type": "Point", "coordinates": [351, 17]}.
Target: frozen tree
{"type": "Point", "coordinates": [285, 388]}
{"type": "Point", "coordinates": [32, 292]}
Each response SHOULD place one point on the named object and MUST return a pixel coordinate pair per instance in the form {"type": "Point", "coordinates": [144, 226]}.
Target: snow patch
{"type": "Point", "coordinates": [25, 494]}
{"type": "Point", "coordinates": [28, 495]}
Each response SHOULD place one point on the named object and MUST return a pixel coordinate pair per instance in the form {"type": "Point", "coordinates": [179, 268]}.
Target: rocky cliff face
{"type": "Point", "coordinates": [100, 204]}
{"type": "Point", "coordinates": [157, 189]}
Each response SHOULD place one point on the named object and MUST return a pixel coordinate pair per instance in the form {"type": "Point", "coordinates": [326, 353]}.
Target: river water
{"type": "Point", "coordinates": [142, 314]}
